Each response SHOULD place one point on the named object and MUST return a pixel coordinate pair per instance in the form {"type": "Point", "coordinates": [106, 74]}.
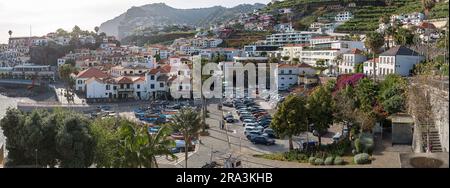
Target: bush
{"type": "Point", "coordinates": [365, 143]}
{"type": "Point", "coordinates": [362, 158]}
{"type": "Point", "coordinates": [312, 160]}
{"type": "Point", "coordinates": [319, 162]}
{"type": "Point", "coordinates": [329, 161]}
{"type": "Point", "coordinates": [338, 161]}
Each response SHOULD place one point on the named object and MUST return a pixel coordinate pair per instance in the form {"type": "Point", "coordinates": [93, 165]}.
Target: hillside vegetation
{"type": "Point", "coordinates": [166, 38]}
{"type": "Point", "coordinates": [366, 12]}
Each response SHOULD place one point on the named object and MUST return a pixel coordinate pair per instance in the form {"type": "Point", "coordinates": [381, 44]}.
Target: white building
{"type": "Point", "coordinates": [83, 76]}
{"type": "Point", "coordinates": [321, 39]}
{"type": "Point", "coordinates": [296, 37]}
{"type": "Point", "coordinates": [370, 66]}
{"type": "Point", "coordinates": [349, 61]}
{"type": "Point", "coordinates": [292, 50]}
{"type": "Point", "coordinates": [398, 60]}
{"type": "Point", "coordinates": [288, 74]}
{"type": "Point", "coordinates": [343, 16]}
{"type": "Point", "coordinates": [284, 27]}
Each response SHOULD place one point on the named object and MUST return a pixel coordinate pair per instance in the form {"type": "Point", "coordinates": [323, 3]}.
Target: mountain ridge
{"type": "Point", "coordinates": [158, 14]}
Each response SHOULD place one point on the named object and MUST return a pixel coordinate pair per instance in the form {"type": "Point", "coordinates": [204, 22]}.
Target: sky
{"type": "Point", "coordinates": [44, 16]}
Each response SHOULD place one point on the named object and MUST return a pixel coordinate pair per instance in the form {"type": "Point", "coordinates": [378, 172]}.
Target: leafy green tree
{"type": "Point", "coordinates": [104, 130]}
{"type": "Point", "coordinates": [366, 93]}
{"type": "Point", "coordinates": [404, 37]}
{"type": "Point", "coordinates": [291, 118]}
{"type": "Point", "coordinates": [393, 92]}
{"type": "Point", "coordinates": [321, 66]}
{"type": "Point", "coordinates": [320, 107]}
{"type": "Point", "coordinates": [285, 58]}
{"type": "Point", "coordinates": [295, 61]}
{"type": "Point", "coordinates": [359, 68]}
{"type": "Point", "coordinates": [12, 125]}
{"type": "Point", "coordinates": [345, 105]}
{"type": "Point", "coordinates": [132, 146]}
{"type": "Point", "coordinates": [159, 144]}
{"type": "Point", "coordinates": [374, 41]}
{"type": "Point", "coordinates": [427, 6]}
{"type": "Point", "coordinates": [157, 57]}
{"type": "Point", "coordinates": [273, 60]}
{"type": "Point", "coordinates": [188, 122]}
{"type": "Point", "coordinates": [75, 143]}
{"type": "Point", "coordinates": [39, 133]}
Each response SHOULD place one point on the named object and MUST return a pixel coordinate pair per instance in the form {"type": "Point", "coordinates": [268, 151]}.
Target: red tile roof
{"type": "Point", "coordinates": [355, 51]}
{"type": "Point", "coordinates": [304, 65]}
{"type": "Point", "coordinates": [123, 80]}
{"type": "Point", "coordinates": [92, 72]}
{"type": "Point", "coordinates": [427, 25]}
{"type": "Point", "coordinates": [285, 66]}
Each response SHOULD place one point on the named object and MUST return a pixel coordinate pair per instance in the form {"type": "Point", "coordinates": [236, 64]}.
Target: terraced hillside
{"type": "Point", "coordinates": [366, 12]}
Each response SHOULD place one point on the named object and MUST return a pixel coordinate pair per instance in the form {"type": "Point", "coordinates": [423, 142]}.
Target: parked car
{"type": "Point", "coordinates": [337, 137]}
{"type": "Point", "coordinates": [242, 118]}
{"type": "Point", "coordinates": [252, 134]}
{"type": "Point", "coordinates": [262, 140]}
{"type": "Point", "coordinates": [251, 128]}
{"type": "Point", "coordinates": [270, 133]}
{"type": "Point", "coordinates": [228, 115]}
{"type": "Point", "coordinates": [229, 120]}
{"type": "Point", "coordinates": [227, 104]}
{"type": "Point", "coordinates": [253, 124]}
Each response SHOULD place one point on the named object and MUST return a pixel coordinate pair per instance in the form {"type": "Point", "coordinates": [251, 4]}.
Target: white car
{"type": "Point", "coordinates": [251, 124]}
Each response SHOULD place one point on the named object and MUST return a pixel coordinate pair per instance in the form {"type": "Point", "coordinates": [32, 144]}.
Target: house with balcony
{"type": "Point", "coordinates": [350, 60]}
{"type": "Point", "coordinates": [83, 76]}
{"type": "Point", "coordinates": [31, 72]}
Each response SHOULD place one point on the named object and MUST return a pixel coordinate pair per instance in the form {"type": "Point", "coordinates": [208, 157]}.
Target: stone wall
{"type": "Point", "coordinates": [440, 103]}
{"type": "Point", "coordinates": [439, 107]}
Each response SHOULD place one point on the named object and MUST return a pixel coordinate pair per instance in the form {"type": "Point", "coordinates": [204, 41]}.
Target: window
{"type": "Point", "coordinates": [115, 88]}
{"type": "Point", "coordinates": [290, 78]}
{"type": "Point", "coordinates": [161, 84]}
{"type": "Point", "coordinates": [282, 71]}
{"type": "Point", "coordinates": [152, 86]}
{"type": "Point", "coordinates": [152, 77]}
{"type": "Point", "coordinates": [282, 78]}
{"type": "Point", "coordinates": [108, 87]}
{"type": "Point", "coordinates": [138, 86]}
{"type": "Point", "coordinates": [180, 88]}
{"type": "Point", "coordinates": [80, 81]}
{"type": "Point", "coordinates": [290, 71]}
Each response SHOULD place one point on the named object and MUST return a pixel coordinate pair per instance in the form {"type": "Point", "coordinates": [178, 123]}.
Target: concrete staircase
{"type": "Point", "coordinates": [434, 139]}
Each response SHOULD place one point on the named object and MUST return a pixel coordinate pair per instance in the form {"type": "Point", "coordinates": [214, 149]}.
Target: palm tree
{"type": "Point", "coordinates": [96, 29]}
{"type": "Point", "coordinates": [10, 33]}
{"type": "Point", "coordinates": [427, 6]}
{"type": "Point", "coordinates": [188, 122]}
{"type": "Point", "coordinates": [138, 148]}
{"type": "Point", "coordinates": [159, 144]}
{"type": "Point", "coordinates": [131, 146]}
{"type": "Point", "coordinates": [374, 41]}
{"type": "Point", "coordinates": [338, 61]}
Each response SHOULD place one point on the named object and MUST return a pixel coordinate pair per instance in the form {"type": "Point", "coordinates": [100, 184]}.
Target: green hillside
{"type": "Point", "coordinates": [366, 12]}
